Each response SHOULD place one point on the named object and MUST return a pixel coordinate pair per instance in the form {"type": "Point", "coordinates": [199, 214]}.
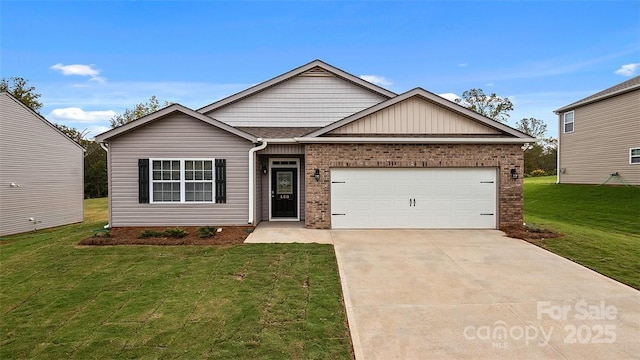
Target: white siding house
{"type": "Point", "coordinates": [41, 171]}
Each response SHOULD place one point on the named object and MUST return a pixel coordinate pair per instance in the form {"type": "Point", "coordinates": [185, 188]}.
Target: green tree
{"type": "Point", "coordinates": [95, 163]}
{"type": "Point", "coordinates": [532, 127]}
{"type": "Point", "coordinates": [542, 154]}
{"type": "Point", "coordinates": [491, 106]}
{"type": "Point", "coordinates": [73, 133]}
{"type": "Point", "coordinates": [95, 171]}
{"type": "Point", "coordinates": [19, 88]}
{"type": "Point", "coordinates": [138, 111]}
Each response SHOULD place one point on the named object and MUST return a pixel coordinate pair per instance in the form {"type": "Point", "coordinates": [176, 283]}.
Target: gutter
{"type": "Point", "coordinates": [252, 175]}
{"type": "Point", "coordinates": [413, 140]}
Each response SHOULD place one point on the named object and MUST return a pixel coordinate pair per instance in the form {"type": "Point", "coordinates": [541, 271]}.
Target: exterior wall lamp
{"type": "Point", "coordinates": [514, 174]}
{"type": "Point", "coordinates": [264, 169]}
{"type": "Point", "coordinates": [316, 174]}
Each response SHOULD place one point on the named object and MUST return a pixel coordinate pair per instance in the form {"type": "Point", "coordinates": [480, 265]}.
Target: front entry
{"type": "Point", "coordinates": [284, 192]}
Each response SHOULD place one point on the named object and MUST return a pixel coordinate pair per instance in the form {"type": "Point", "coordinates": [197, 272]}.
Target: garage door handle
{"type": "Point", "coordinates": [338, 182]}
{"type": "Point", "coordinates": [338, 214]}
{"type": "Point", "coordinates": [485, 214]}
{"type": "Point", "coordinates": [486, 182]}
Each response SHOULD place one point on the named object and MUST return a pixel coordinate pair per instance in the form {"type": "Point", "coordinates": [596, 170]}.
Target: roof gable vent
{"type": "Point", "coordinates": [316, 71]}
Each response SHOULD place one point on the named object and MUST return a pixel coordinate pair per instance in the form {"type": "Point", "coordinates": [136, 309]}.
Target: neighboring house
{"type": "Point", "coordinates": [41, 171]}
{"type": "Point", "coordinates": [320, 145]}
{"type": "Point", "coordinates": [600, 136]}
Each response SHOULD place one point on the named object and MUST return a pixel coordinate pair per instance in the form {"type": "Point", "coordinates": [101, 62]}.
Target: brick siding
{"type": "Point", "coordinates": [504, 157]}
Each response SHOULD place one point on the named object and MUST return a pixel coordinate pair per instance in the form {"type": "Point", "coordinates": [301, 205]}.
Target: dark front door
{"type": "Point", "coordinates": [284, 193]}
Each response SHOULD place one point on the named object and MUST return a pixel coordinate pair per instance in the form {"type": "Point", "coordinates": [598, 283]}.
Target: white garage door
{"type": "Point", "coordinates": [451, 198]}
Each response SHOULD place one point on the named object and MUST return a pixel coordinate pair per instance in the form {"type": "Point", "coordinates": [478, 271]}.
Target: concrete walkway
{"type": "Point", "coordinates": [467, 294]}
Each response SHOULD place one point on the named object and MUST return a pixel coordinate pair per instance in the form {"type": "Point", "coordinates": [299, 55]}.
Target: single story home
{"type": "Point", "coordinates": [599, 138]}
{"type": "Point", "coordinates": [41, 171]}
{"type": "Point", "coordinates": [319, 145]}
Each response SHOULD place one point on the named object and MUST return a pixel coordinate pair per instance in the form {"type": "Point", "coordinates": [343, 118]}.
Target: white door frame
{"type": "Point", "coordinates": [291, 163]}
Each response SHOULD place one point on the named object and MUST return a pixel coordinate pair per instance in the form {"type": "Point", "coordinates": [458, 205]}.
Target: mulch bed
{"type": "Point", "coordinates": [230, 235]}
{"type": "Point", "coordinates": [530, 234]}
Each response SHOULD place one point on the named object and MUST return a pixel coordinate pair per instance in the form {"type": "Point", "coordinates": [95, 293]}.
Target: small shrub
{"type": "Point", "coordinates": [207, 232]}
{"type": "Point", "coordinates": [104, 233]}
{"type": "Point", "coordinates": [176, 232]}
{"type": "Point", "coordinates": [145, 234]}
{"type": "Point", "coordinates": [538, 172]}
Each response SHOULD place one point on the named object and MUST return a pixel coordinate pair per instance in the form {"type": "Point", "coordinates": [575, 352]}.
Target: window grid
{"type": "Point", "coordinates": [182, 180]}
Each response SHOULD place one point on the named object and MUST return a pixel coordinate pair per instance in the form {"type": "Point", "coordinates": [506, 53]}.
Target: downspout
{"type": "Point", "coordinates": [106, 149]}
{"type": "Point", "coordinates": [252, 180]}
{"type": "Point", "coordinates": [560, 129]}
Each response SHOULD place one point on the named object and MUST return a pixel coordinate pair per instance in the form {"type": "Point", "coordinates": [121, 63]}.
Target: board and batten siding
{"type": "Point", "coordinates": [47, 166]}
{"type": "Point", "coordinates": [604, 132]}
{"type": "Point", "coordinates": [182, 137]}
{"type": "Point", "coordinates": [414, 116]}
{"type": "Point", "coordinates": [300, 101]}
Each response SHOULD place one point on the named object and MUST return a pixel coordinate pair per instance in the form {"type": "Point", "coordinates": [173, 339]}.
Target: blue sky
{"type": "Point", "coordinates": [93, 59]}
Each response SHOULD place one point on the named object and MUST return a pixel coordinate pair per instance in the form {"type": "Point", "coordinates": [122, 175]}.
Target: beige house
{"type": "Point", "coordinates": [41, 171]}
{"type": "Point", "coordinates": [318, 145]}
{"type": "Point", "coordinates": [600, 137]}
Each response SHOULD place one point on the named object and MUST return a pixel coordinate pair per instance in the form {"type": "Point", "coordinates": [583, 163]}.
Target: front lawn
{"type": "Point", "coordinates": [601, 224]}
{"type": "Point", "coordinates": [60, 300]}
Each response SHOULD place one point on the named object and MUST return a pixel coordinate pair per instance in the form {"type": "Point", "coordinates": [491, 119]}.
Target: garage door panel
{"type": "Point", "coordinates": [414, 198]}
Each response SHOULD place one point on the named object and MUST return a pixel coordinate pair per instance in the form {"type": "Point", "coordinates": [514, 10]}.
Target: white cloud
{"type": "Point", "coordinates": [489, 84]}
{"type": "Point", "coordinates": [376, 79]}
{"type": "Point", "coordinates": [462, 65]}
{"type": "Point", "coordinates": [628, 69]}
{"type": "Point", "coordinates": [449, 96]}
{"type": "Point", "coordinates": [79, 70]}
{"type": "Point", "coordinates": [77, 115]}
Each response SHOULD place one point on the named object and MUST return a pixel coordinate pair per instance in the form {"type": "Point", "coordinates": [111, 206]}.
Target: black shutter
{"type": "Point", "coordinates": [221, 181]}
{"type": "Point", "coordinates": [143, 181]}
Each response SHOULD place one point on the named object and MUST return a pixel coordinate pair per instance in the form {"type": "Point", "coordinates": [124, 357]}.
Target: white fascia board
{"type": "Point", "coordinates": [413, 140]}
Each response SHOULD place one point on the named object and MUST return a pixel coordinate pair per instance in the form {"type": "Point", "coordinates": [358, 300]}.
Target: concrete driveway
{"type": "Point", "coordinates": [466, 294]}
{"type": "Point", "coordinates": [471, 294]}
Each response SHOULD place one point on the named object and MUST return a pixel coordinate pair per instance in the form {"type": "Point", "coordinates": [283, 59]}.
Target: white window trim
{"type": "Point", "coordinates": [632, 156]}
{"type": "Point", "coordinates": [573, 122]}
{"type": "Point", "coordinates": [182, 181]}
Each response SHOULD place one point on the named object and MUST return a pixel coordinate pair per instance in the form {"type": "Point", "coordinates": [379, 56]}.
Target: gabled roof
{"type": "Point", "coordinates": [615, 90]}
{"type": "Point", "coordinates": [291, 74]}
{"type": "Point", "coordinates": [429, 96]}
{"type": "Point", "coordinates": [168, 111]}
{"type": "Point", "coordinates": [8, 95]}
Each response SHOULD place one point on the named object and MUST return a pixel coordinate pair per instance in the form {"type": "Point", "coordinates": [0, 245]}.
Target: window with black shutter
{"type": "Point", "coordinates": [143, 181]}
{"type": "Point", "coordinates": [221, 180]}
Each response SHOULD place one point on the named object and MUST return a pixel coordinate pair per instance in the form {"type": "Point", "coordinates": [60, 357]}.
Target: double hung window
{"type": "Point", "coordinates": [182, 180]}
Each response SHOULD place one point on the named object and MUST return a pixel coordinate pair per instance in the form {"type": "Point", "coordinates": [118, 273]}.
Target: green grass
{"type": "Point", "coordinates": [601, 224]}
{"type": "Point", "coordinates": [59, 300]}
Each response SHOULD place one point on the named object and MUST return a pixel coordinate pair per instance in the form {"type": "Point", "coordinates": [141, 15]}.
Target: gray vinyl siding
{"type": "Point", "coordinates": [301, 101]}
{"type": "Point", "coordinates": [283, 149]}
{"type": "Point", "coordinates": [604, 132]}
{"type": "Point", "coordinates": [258, 193]}
{"type": "Point", "coordinates": [177, 136]}
{"type": "Point", "coordinates": [46, 164]}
